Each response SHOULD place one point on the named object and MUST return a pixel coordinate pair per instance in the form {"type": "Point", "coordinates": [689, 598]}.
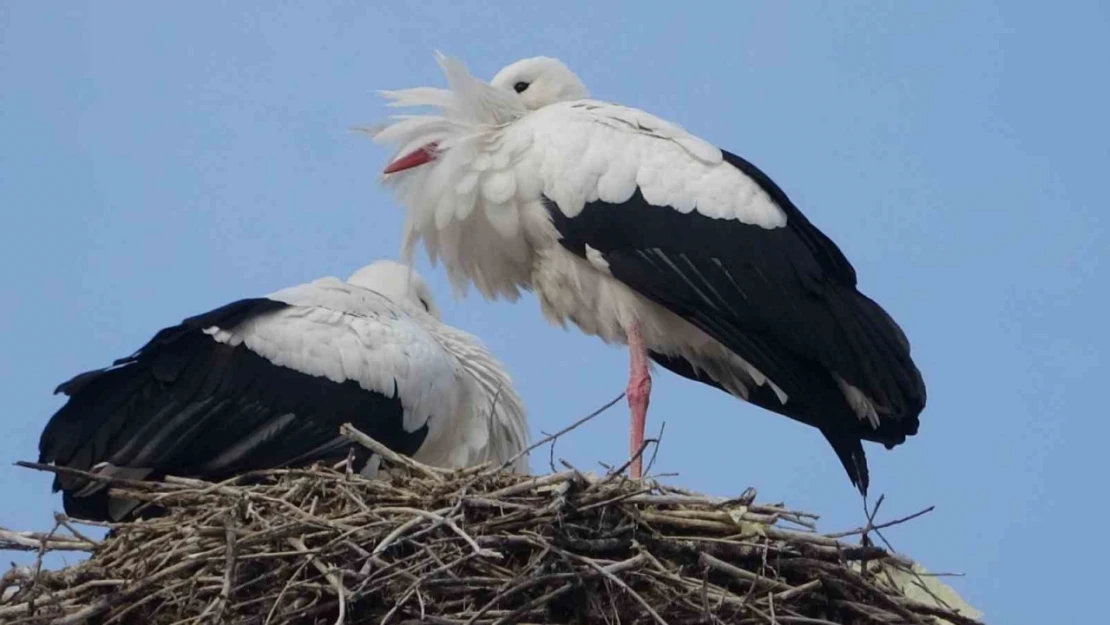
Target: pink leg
{"type": "Point", "coordinates": [639, 392]}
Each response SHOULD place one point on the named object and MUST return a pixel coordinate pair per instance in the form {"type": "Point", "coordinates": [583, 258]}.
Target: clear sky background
{"type": "Point", "coordinates": [158, 160]}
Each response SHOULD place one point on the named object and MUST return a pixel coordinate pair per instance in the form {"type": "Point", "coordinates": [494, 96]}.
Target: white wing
{"type": "Point", "coordinates": [342, 332]}
{"type": "Point", "coordinates": [573, 153]}
{"type": "Point", "coordinates": [477, 205]}
{"type": "Point", "coordinates": [496, 412]}
{"type": "Point", "coordinates": [587, 151]}
{"type": "Point", "coordinates": [444, 377]}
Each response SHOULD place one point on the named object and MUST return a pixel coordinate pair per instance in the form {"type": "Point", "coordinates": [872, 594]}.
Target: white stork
{"type": "Point", "coordinates": [266, 382]}
{"type": "Point", "coordinates": [641, 233]}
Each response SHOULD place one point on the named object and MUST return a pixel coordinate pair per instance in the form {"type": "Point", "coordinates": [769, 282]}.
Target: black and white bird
{"type": "Point", "coordinates": [266, 383]}
{"type": "Point", "coordinates": [641, 233]}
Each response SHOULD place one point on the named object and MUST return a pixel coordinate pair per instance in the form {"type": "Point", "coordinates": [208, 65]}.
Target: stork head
{"type": "Point", "coordinates": [540, 81]}
{"type": "Point", "coordinates": [531, 84]}
{"type": "Point", "coordinates": [398, 282]}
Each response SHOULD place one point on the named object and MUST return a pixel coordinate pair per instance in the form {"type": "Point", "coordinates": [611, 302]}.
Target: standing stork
{"type": "Point", "coordinates": [266, 382]}
{"type": "Point", "coordinates": [641, 233]}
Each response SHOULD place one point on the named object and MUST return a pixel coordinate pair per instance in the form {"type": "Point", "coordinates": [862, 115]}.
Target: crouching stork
{"type": "Point", "coordinates": [267, 382]}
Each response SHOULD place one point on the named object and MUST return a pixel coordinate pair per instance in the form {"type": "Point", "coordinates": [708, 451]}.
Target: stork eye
{"type": "Point", "coordinates": [520, 87]}
{"type": "Point", "coordinates": [425, 305]}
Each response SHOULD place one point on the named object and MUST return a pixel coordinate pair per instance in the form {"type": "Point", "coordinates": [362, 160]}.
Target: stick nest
{"type": "Point", "coordinates": [476, 547]}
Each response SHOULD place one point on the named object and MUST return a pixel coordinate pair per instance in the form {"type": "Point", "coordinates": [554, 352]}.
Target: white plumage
{"type": "Point", "coordinates": [642, 233]}
{"type": "Point", "coordinates": [266, 382]}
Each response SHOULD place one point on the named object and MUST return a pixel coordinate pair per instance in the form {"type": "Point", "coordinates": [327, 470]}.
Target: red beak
{"type": "Point", "coordinates": [425, 154]}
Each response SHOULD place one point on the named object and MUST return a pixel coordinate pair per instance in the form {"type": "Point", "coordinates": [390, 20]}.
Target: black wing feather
{"type": "Point", "coordinates": [784, 299]}
{"type": "Point", "coordinates": [183, 400]}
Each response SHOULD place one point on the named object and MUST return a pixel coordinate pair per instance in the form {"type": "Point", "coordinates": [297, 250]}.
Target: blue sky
{"type": "Point", "coordinates": [156, 162]}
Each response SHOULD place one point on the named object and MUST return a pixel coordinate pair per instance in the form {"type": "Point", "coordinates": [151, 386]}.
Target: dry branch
{"type": "Point", "coordinates": [473, 547]}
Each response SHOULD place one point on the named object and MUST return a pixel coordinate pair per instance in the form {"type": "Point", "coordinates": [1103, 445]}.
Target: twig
{"type": "Point", "coordinates": [547, 439]}
{"type": "Point", "coordinates": [444, 520]}
{"type": "Point", "coordinates": [627, 463]}
{"type": "Point", "coordinates": [137, 589]}
{"type": "Point", "coordinates": [787, 595]}
{"type": "Point", "coordinates": [399, 531]}
{"type": "Point", "coordinates": [513, 589]}
{"type": "Point", "coordinates": [319, 544]}
{"type": "Point", "coordinates": [869, 527]}
{"type": "Point", "coordinates": [36, 541]}
{"type": "Point", "coordinates": [533, 484]}
{"type": "Point", "coordinates": [352, 433]}
{"type": "Point", "coordinates": [229, 573]}
{"type": "Point", "coordinates": [610, 573]}
{"type": "Point", "coordinates": [299, 545]}
{"type": "Point", "coordinates": [95, 477]}
{"type": "Point", "coordinates": [739, 573]}
{"type": "Point", "coordinates": [65, 521]}
{"type": "Point", "coordinates": [655, 450]}
{"type": "Point", "coordinates": [544, 599]}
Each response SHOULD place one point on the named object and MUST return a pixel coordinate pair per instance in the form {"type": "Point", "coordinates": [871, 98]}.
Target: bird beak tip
{"type": "Point", "coordinates": [416, 158]}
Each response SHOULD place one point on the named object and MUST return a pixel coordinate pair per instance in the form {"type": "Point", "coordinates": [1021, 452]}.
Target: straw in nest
{"type": "Point", "coordinates": [470, 547]}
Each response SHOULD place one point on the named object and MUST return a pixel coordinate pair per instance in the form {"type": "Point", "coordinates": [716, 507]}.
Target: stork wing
{"type": "Point", "coordinates": [782, 298]}
{"type": "Point", "coordinates": [256, 384]}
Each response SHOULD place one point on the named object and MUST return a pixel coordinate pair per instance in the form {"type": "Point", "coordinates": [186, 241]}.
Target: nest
{"type": "Point", "coordinates": [472, 547]}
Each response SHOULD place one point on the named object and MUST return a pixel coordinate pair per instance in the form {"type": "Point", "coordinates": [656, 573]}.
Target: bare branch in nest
{"type": "Point", "coordinates": [879, 526]}
{"type": "Point", "coordinates": [38, 541]}
{"type": "Point", "coordinates": [352, 433]}
{"type": "Point", "coordinates": [552, 438]}
{"type": "Point", "coordinates": [472, 547]}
